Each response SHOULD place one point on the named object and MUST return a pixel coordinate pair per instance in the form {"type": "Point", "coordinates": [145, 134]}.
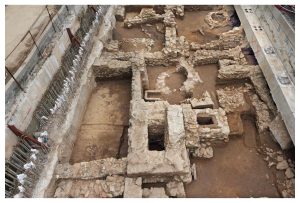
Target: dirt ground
{"type": "Point", "coordinates": [237, 168]}
{"type": "Point", "coordinates": [103, 123]}
{"type": "Point", "coordinates": [195, 20]}
{"type": "Point", "coordinates": [207, 73]}
{"type": "Point", "coordinates": [143, 31]}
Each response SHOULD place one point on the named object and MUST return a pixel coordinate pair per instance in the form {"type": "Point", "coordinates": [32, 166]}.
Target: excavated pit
{"type": "Point", "coordinates": [237, 168]}
{"type": "Point", "coordinates": [105, 122]}
{"type": "Point", "coordinates": [173, 81]}
{"type": "Point", "coordinates": [173, 116]}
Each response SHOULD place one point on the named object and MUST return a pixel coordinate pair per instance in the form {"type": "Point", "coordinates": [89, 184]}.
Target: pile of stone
{"type": "Point", "coordinates": [232, 99]}
{"type": "Point", "coordinates": [262, 113]}
{"type": "Point", "coordinates": [147, 15]}
{"type": "Point", "coordinates": [133, 188]}
{"type": "Point", "coordinates": [201, 7]}
{"type": "Point", "coordinates": [277, 159]}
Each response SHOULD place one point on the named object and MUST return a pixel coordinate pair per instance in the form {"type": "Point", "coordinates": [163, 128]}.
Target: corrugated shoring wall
{"type": "Point", "coordinates": [61, 91]}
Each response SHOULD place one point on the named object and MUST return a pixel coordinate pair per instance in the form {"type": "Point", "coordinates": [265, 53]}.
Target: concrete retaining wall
{"type": "Point", "coordinates": [20, 114]}
{"type": "Point", "coordinates": [65, 136]}
{"type": "Point", "coordinates": [281, 34]}
{"type": "Point", "coordinates": [273, 68]}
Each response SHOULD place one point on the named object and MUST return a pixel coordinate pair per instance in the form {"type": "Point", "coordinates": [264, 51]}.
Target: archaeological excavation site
{"type": "Point", "coordinates": [147, 101]}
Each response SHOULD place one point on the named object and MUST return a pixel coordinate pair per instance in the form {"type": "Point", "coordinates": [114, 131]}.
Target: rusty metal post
{"type": "Point", "coordinates": [50, 19]}
{"type": "Point", "coordinates": [35, 43]}
{"type": "Point", "coordinates": [73, 39]}
{"type": "Point", "coordinates": [19, 85]}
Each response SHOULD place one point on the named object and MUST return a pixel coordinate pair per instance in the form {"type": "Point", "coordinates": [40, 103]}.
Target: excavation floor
{"type": "Point", "coordinates": [207, 73]}
{"type": "Point", "coordinates": [192, 21]}
{"type": "Point", "coordinates": [144, 31]}
{"type": "Point", "coordinates": [236, 170]}
{"type": "Point", "coordinates": [104, 121]}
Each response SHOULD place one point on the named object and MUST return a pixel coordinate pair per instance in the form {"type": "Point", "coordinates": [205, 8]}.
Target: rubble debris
{"type": "Point", "coordinates": [282, 165]}
{"type": "Point", "coordinates": [289, 173]}
{"type": "Point", "coordinates": [232, 99]}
